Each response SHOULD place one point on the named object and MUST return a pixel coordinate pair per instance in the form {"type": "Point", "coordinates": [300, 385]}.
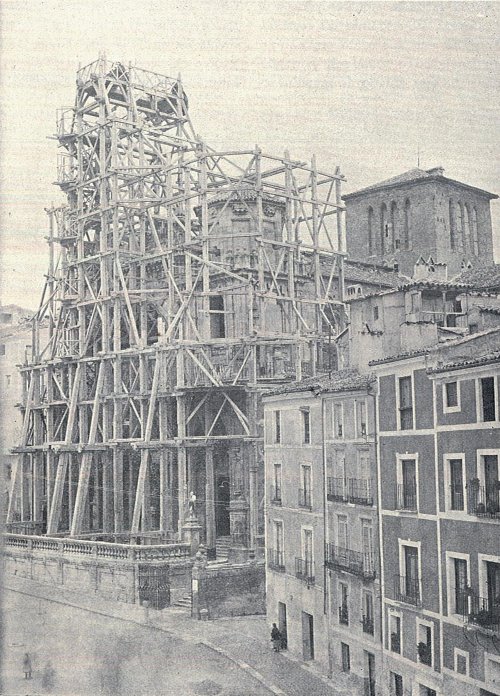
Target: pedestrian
{"type": "Point", "coordinates": [27, 666]}
{"type": "Point", "coordinates": [276, 638]}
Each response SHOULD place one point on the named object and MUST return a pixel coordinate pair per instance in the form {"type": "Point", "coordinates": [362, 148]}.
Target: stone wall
{"type": "Point", "coordinates": [120, 580]}
{"type": "Point", "coordinates": [235, 590]}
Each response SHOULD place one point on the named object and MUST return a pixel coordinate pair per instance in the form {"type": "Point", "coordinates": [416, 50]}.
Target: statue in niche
{"type": "Point", "coordinates": [192, 504]}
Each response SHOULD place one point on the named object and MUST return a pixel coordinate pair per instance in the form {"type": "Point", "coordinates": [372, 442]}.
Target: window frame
{"type": "Point", "coordinates": [451, 556]}
{"type": "Point", "coordinates": [402, 543]}
{"type": "Point", "coordinates": [447, 458]}
{"type": "Point", "coordinates": [395, 614]}
{"type": "Point", "coordinates": [457, 652]}
{"type": "Point", "coordinates": [358, 431]}
{"type": "Point", "coordinates": [446, 407]}
{"type": "Point", "coordinates": [277, 427]}
{"type": "Point", "coordinates": [340, 406]}
{"type": "Point", "coordinates": [400, 458]}
{"type": "Point", "coordinates": [427, 624]}
{"type": "Point", "coordinates": [479, 399]}
{"type": "Point", "coordinates": [306, 429]}
{"type": "Point", "coordinates": [409, 376]}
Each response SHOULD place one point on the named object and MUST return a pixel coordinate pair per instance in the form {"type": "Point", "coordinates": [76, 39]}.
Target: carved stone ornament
{"type": "Point", "coordinates": [239, 208]}
{"type": "Point", "coordinates": [269, 210]}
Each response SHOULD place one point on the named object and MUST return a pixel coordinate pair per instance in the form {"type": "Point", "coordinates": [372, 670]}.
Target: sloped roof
{"type": "Point", "coordinates": [361, 272]}
{"type": "Point", "coordinates": [482, 277]}
{"type": "Point", "coordinates": [486, 359]}
{"type": "Point", "coordinates": [415, 175]}
{"type": "Point", "coordinates": [348, 379]}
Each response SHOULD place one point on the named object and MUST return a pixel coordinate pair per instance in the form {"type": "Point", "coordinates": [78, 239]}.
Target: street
{"type": "Point", "coordinates": [74, 652]}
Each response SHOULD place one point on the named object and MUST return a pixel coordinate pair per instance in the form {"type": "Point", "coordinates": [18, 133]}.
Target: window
{"type": "Point", "coordinates": [396, 684]}
{"type": "Point", "coordinates": [342, 536]}
{"type": "Point", "coordinates": [487, 399]}
{"type": "Point", "coordinates": [475, 240]}
{"type": "Point", "coordinates": [384, 228]}
{"type": "Point", "coordinates": [408, 585]}
{"type": "Point", "coordinates": [394, 226]}
{"type": "Point", "coordinates": [406, 493]}
{"type": "Point", "coordinates": [338, 421]}
{"type": "Point", "coordinates": [407, 226]}
{"type": "Point", "coordinates": [276, 493]}
{"type": "Point", "coordinates": [451, 397]}
{"type": "Point", "coordinates": [277, 427]}
{"type": "Point", "coordinates": [307, 550]}
{"type": "Point", "coordinates": [467, 230]}
{"type": "Point", "coordinates": [344, 604]}
{"type": "Point", "coordinates": [458, 583]}
{"type": "Point", "coordinates": [460, 225]}
{"type": "Point", "coordinates": [371, 245]}
{"type": "Point", "coordinates": [367, 618]}
{"type": "Point", "coordinates": [367, 545]}
{"type": "Point", "coordinates": [395, 632]}
{"type": "Point", "coordinates": [2, 348]}
{"type": "Point", "coordinates": [425, 643]}
{"type": "Point", "coordinates": [346, 658]}
{"type": "Point", "coordinates": [375, 312]}
{"type": "Point", "coordinates": [456, 484]}
{"type": "Point", "coordinates": [461, 661]}
{"type": "Point", "coordinates": [279, 543]}
{"type": "Point", "coordinates": [305, 490]}
{"type": "Point", "coordinates": [452, 224]}
{"type": "Point", "coordinates": [306, 426]}
{"type": "Point", "coordinates": [361, 418]}
{"type": "Point", "coordinates": [217, 323]}
{"type": "Point", "coordinates": [405, 403]}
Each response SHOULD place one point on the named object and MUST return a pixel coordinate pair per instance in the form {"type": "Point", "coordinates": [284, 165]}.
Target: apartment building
{"type": "Point", "coordinates": [321, 525]}
{"type": "Point", "coordinates": [438, 452]}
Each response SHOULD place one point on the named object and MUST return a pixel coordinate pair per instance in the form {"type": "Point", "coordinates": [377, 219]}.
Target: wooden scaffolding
{"type": "Point", "coordinates": [182, 283]}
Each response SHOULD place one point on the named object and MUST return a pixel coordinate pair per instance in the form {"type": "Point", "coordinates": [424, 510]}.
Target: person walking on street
{"type": "Point", "coordinates": [27, 666]}
{"type": "Point", "coordinates": [276, 638]}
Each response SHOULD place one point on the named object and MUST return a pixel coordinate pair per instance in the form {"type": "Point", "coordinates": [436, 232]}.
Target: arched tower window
{"type": "Point", "coordinates": [475, 238]}
{"type": "Point", "coordinates": [394, 238]}
{"type": "Point", "coordinates": [460, 225]}
{"type": "Point", "coordinates": [371, 245]}
{"type": "Point", "coordinates": [467, 230]}
{"type": "Point", "coordinates": [453, 243]}
{"type": "Point", "coordinates": [384, 228]}
{"type": "Point", "coordinates": [406, 231]}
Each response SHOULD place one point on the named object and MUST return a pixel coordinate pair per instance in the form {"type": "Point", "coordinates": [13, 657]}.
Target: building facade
{"type": "Point", "coordinates": [420, 213]}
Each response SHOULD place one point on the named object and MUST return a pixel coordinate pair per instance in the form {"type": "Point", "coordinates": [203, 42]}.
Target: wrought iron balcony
{"type": "Point", "coordinates": [360, 563]}
{"type": "Point", "coordinates": [367, 622]}
{"type": "Point", "coordinates": [350, 490]}
{"type": "Point", "coordinates": [484, 500]}
{"type": "Point", "coordinates": [276, 560]}
{"type": "Point", "coordinates": [407, 590]}
{"type": "Point", "coordinates": [304, 570]}
{"type": "Point", "coordinates": [275, 497]}
{"type": "Point", "coordinates": [480, 612]}
{"type": "Point", "coordinates": [406, 497]}
{"type": "Point", "coordinates": [344, 614]}
{"type": "Point", "coordinates": [305, 498]}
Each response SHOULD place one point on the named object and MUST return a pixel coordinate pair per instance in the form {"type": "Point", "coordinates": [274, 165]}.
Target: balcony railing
{"type": "Point", "coordinates": [482, 612]}
{"type": "Point", "coordinates": [456, 498]}
{"type": "Point", "coordinates": [367, 622]}
{"type": "Point", "coordinates": [304, 570]}
{"type": "Point", "coordinates": [275, 496]}
{"type": "Point", "coordinates": [350, 490]}
{"type": "Point", "coordinates": [360, 563]}
{"type": "Point", "coordinates": [305, 498]}
{"type": "Point", "coordinates": [406, 497]}
{"type": "Point", "coordinates": [369, 686]}
{"type": "Point", "coordinates": [344, 615]}
{"type": "Point", "coordinates": [484, 501]}
{"type": "Point", "coordinates": [407, 590]}
{"type": "Point", "coordinates": [276, 560]}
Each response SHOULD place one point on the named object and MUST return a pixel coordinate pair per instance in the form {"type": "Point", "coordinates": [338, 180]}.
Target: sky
{"type": "Point", "coordinates": [362, 85]}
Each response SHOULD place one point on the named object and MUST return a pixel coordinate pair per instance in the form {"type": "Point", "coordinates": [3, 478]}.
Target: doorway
{"type": "Point", "coordinates": [282, 624]}
{"type": "Point", "coordinates": [369, 674]}
{"type": "Point", "coordinates": [222, 498]}
{"type": "Point", "coordinates": [307, 636]}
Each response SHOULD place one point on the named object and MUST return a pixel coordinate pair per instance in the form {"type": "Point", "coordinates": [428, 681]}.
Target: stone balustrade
{"type": "Point", "coordinates": [98, 549]}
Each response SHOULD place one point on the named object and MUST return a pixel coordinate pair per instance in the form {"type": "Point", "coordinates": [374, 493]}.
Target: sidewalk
{"type": "Point", "coordinates": [243, 640]}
